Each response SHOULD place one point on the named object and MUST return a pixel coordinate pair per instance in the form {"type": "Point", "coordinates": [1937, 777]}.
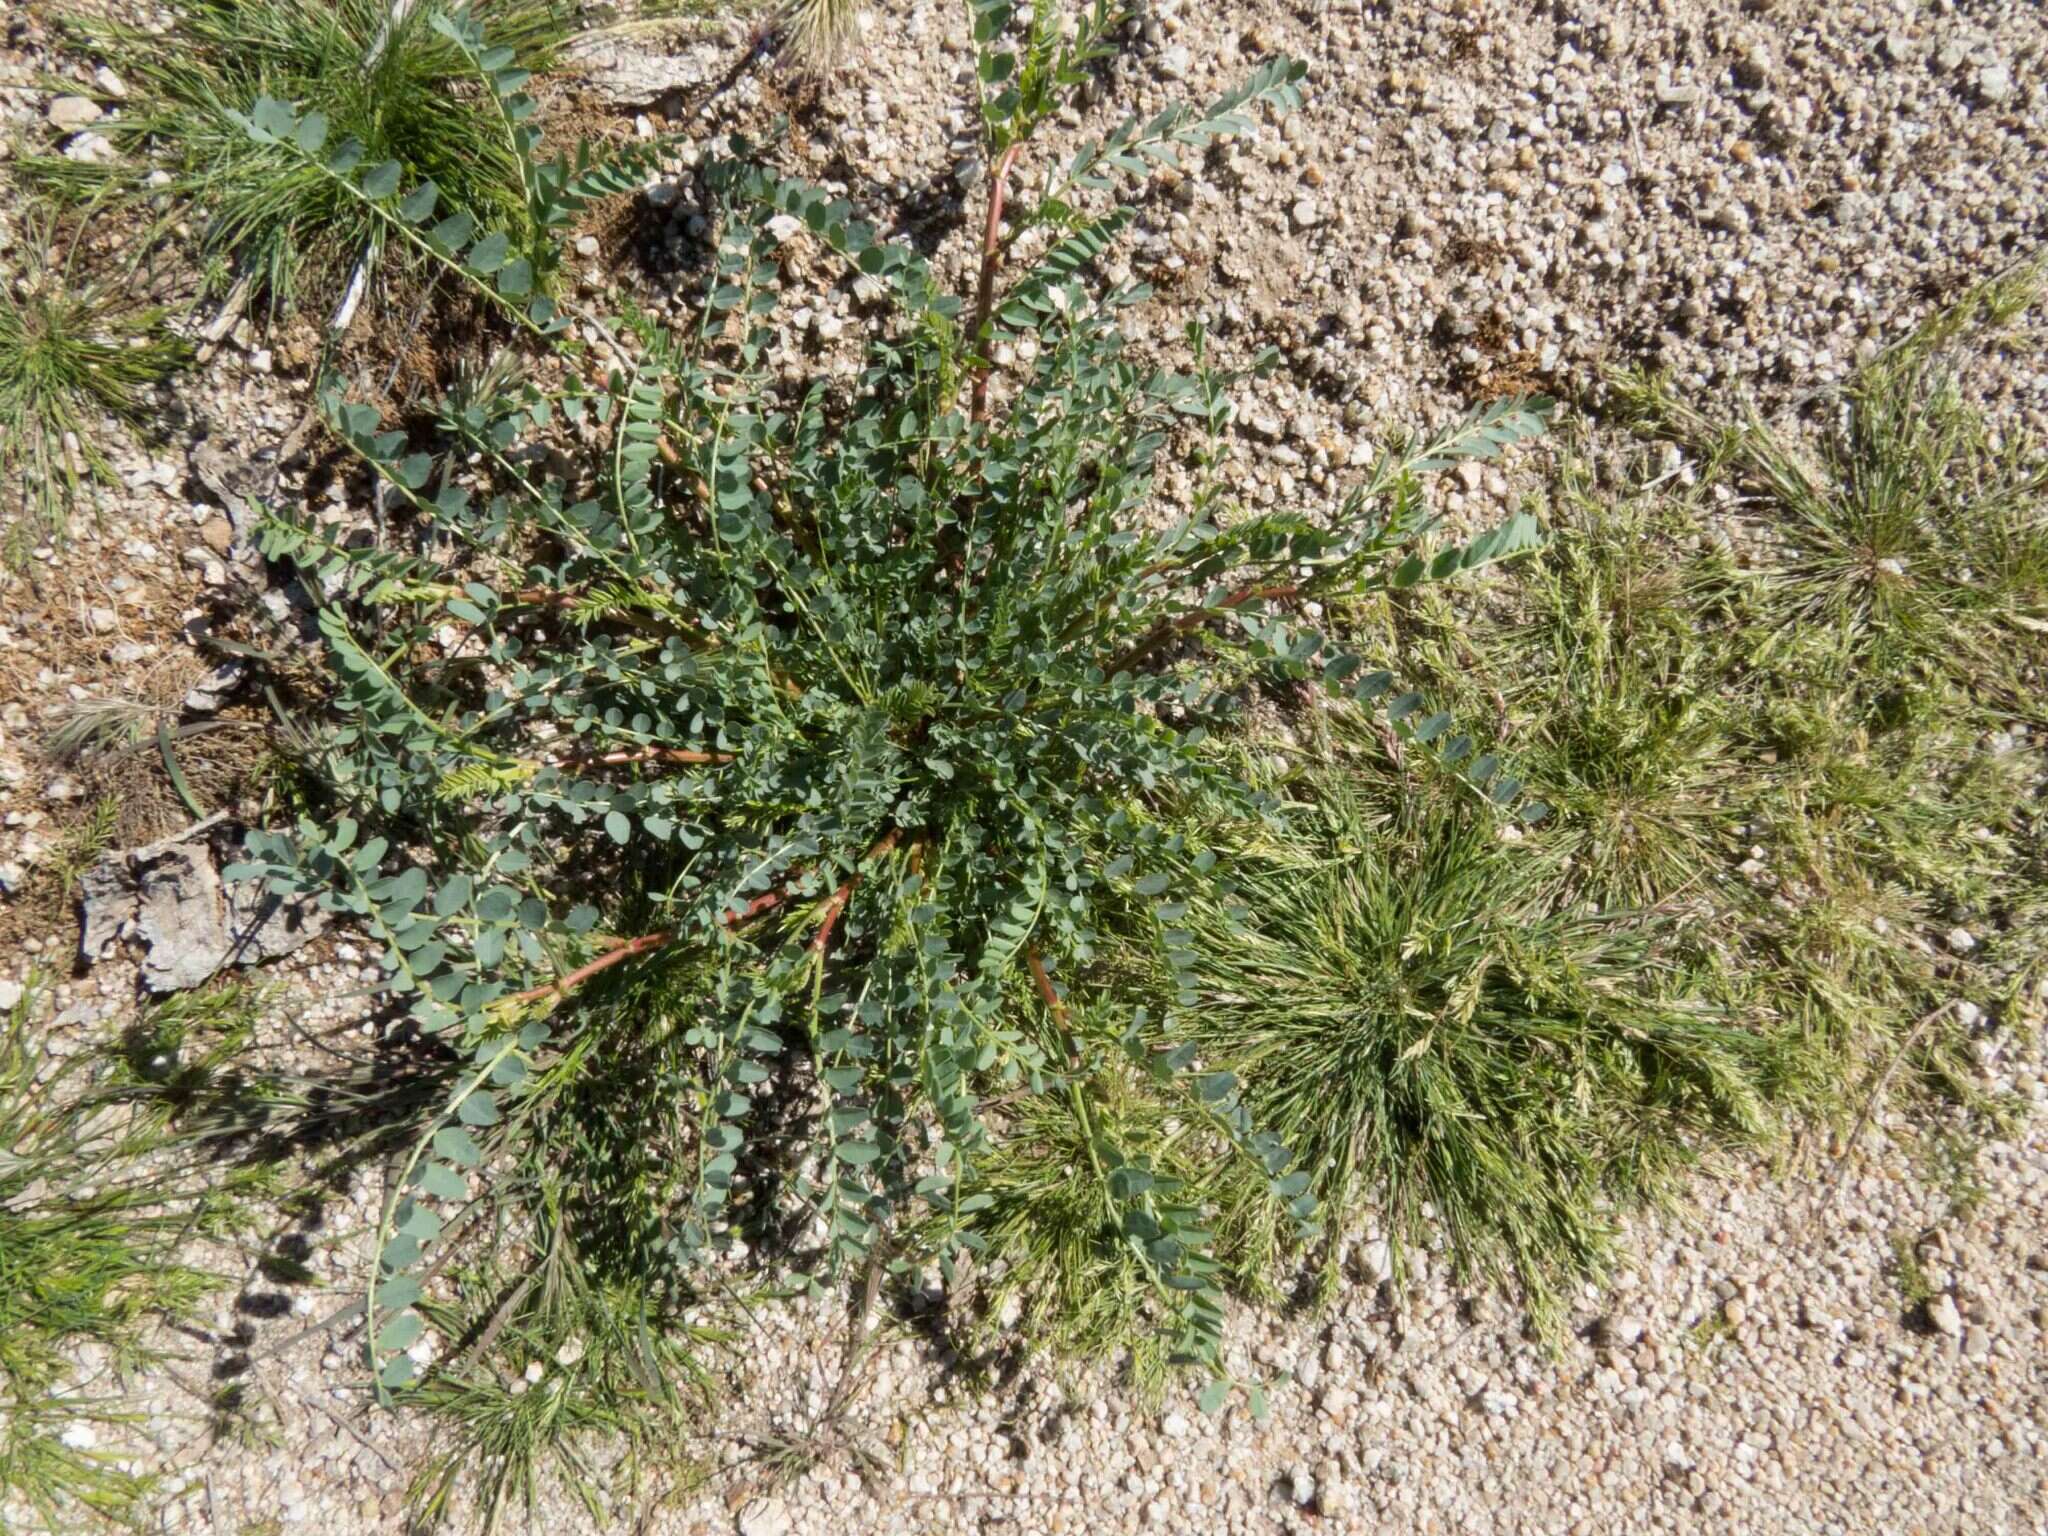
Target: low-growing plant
{"type": "Point", "coordinates": [1618, 684]}
{"type": "Point", "coordinates": [1611, 665]}
{"type": "Point", "coordinates": [401, 81]}
{"type": "Point", "coordinates": [1811, 794]}
{"type": "Point", "coordinates": [820, 31]}
{"type": "Point", "coordinates": [1884, 689]}
{"type": "Point", "coordinates": [88, 1261]}
{"type": "Point", "coordinates": [1909, 532]}
{"type": "Point", "coordinates": [78, 351]}
{"type": "Point", "coordinates": [1916, 1289]}
{"type": "Point", "coordinates": [1446, 1052]}
{"type": "Point", "coordinates": [823, 746]}
{"type": "Point", "coordinates": [558, 1373]}
{"type": "Point", "coordinates": [1780, 808]}
{"type": "Point", "coordinates": [1052, 1275]}
{"type": "Point", "coordinates": [82, 844]}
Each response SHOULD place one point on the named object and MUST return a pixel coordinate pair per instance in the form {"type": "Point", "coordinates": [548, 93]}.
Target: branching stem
{"type": "Point", "coordinates": [622, 950]}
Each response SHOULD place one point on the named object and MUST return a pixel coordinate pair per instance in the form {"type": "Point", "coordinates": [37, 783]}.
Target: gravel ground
{"type": "Point", "coordinates": [1752, 197]}
{"type": "Point", "coordinates": [1476, 197]}
{"type": "Point", "coordinates": [1763, 1364]}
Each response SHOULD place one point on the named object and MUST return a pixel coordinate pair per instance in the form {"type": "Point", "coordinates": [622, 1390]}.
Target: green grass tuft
{"type": "Point", "coordinates": [1058, 1270]}
{"type": "Point", "coordinates": [560, 1379]}
{"type": "Point", "coordinates": [821, 32]}
{"type": "Point", "coordinates": [395, 85]}
{"type": "Point", "coordinates": [1612, 676]}
{"type": "Point", "coordinates": [1449, 1053]}
{"type": "Point", "coordinates": [75, 355]}
{"type": "Point", "coordinates": [1910, 540]}
{"type": "Point", "coordinates": [87, 1266]}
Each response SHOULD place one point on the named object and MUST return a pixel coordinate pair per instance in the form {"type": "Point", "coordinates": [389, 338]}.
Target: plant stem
{"type": "Point", "coordinates": [985, 284]}
{"type": "Point", "coordinates": [839, 898]}
{"type": "Point", "coordinates": [1877, 1095]}
{"type": "Point", "coordinates": [1046, 989]}
{"type": "Point", "coordinates": [604, 962]}
{"type": "Point", "coordinates": [1055, 1004]}
{"type": "Point", "coordinates": [1187, 621]}
{"type": "Point", "coordinates": [644, 755]}
{"type": "Point", "coordinates": [627, 949]}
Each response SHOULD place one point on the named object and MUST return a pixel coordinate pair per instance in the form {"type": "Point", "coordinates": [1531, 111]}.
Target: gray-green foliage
{"type": "Point", "coordinates": [828, 741]}
{"type": "Point", "coordinates": [400, 81]}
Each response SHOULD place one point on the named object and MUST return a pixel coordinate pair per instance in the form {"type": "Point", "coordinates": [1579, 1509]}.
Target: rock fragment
{"type": "Point", "coordinates": [1943, 1317]}
{"type": "Point", "coordinates": [71, 113]}
{"type": "Point", "coordinates": [170, 898]}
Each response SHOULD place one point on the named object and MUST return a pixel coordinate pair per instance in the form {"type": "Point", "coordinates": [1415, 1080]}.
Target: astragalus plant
{"type": "Point", "coordinates": [805, 752]}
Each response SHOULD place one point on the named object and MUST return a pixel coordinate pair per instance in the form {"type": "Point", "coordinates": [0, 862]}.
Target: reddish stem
{"type": "Point", "coordinates": [604, 962]}
{"type": "Point", "coordinates": [985, 285]}
{"type": "Point", "coordinates": [1055, 1004]}
{"type": "Point", "coordinates": [836, 903]}
{"type": "Point", "coordinates": [546, 597]}
{"type": "Point", "coordinates": [1200, 616]}
{"type": "Point", "coordinates": [752, 909]}
{"type": "Point", "coordinates": [1046, 989]}
{"type": "Point", "coordinates": [646, 755]}
{"type": "Point", "coordinates": [625, 949]}
{"type": "Point", "coordinates": [617, 950]}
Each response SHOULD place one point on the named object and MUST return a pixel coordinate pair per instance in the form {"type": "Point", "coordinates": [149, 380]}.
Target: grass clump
{"type": "Point", "coordinates": [77, 353]}
{"type": "Point", "coordinates": [1058, 1273]}
{"type": "Point", "coordinates": [821, 32]}
{"type": "Point", "coordinates": [559, 1379]}
{"type": "Point", "coordinates": [388, 78]}
{"type": "Point", "coordinates": [1623, 716]}
{"type": "Point", "coordinates": [1449, 1052]}
{"type": "Point", "coordinates": [1898, 647]}
{"type": "Point", "coordinates": [1908, 545]}
{"type": "Point", "coordinates": [87, 1268]}
{"type": "Point", "coordinates": [1794, 823]}
{"type": "Point", "coordinates": [1608, 665]}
